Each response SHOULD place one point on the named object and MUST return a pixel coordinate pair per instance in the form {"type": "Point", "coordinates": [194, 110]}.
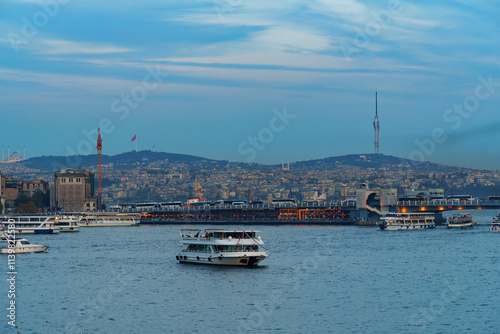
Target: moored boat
{"type": "Point", "coordinates": [108, 219]}
{"type": "Point", "coordinates": [67, 223]}
{"type": "Point", "coordinates": [29, 224]}
{"type": "Point", "coordinates": [461, 221]}
{"type": "Point", "coordinates": [407, 221]}
{"type": "Point", "coordinates": [221, 247]}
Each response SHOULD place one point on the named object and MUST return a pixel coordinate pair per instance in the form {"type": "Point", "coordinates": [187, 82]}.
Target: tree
{"type": "Point", "coordinates": [29, 207]}
{"type": "Point", "coordinates": [21, 199]}
{"type": "Point", "coordinates": [38, 199]}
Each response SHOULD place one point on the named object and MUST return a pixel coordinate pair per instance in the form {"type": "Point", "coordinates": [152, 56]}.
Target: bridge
{"type": "Point", "coordinates": [338, 212]}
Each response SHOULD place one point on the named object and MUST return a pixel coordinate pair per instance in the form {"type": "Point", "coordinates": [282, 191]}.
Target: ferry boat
{"type": "Point", "coordinates": [461, 221]}
{"type": "Point", "coordinates": [17, 246]}
{"type": "Point", "coordinates": [67, 223]}
{"type": "Point", "coordinates": [221, 247]}
{"type": "Point", "coordinates": [407, 221]}
{"type": "Point", "coordinates": [108, 219]}
{"type": "Point", "coordinates": [29, 224]}
{"type": "Point", "coordinates": [495, 225]}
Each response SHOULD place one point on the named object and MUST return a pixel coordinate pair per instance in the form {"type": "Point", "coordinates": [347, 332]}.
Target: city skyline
{"type": "Point", "coordinates": [252, 82]}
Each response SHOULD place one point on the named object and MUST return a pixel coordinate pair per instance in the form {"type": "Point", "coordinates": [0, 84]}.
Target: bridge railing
{"type": "Point", "coordinates": [448, 203]}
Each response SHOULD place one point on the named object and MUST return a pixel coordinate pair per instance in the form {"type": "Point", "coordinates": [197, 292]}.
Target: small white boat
{"type": "Point", "coordinates": [29, 224]}
{"type": "Point", "coordinates": [18, 246]}
{"type": "Point", "coordinates": [221, 247]}
{"type": "Point", "coordinates": [461, 221]}
{"type": "Point", "coordinates": [407, 221]}
{"type": "Point", "coordinates": [108, 219]}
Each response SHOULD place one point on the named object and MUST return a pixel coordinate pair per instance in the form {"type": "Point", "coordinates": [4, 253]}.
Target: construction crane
{"type": "Point", "coordinates": [196, 200]}
{"type": "Point", "coordinates": [198, 187]}
{"type": "Point", "coordinates": [99, 170]}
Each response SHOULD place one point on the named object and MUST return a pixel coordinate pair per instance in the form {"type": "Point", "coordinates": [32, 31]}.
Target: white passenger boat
{"type": "Point", "coordinates": [461, 221]}
{"type": "Point", "coordinates": [221, 247]}
{"type": "Point", "coordinates": [407, 221]}
{"type": "Point", "coordinates": [29, 224]}
{"type": "Point", "coordinates": [67, 223]}
{"type": "Point", "coordinates": [495, 225]}
{"type": "Point", "coordinates": [108, 219]}
{"type": "Point", "coordinates": [17, 246]}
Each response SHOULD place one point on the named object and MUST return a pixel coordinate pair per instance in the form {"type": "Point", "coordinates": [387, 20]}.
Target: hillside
{"type": "Point", "coordinates": [131, 159]}
{"type": "Point", "coordinates": [375, 161]}
{"type": "Point", "coordinates": [48, 163]}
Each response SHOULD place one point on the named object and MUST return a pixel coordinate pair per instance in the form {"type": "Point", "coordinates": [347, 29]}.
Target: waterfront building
{"type": "Point", "coordinates": [11, 190]}
{"type": "Point", "coordinates": [28, 188]}
{"type": "Point", "coordinates": [73, 189]}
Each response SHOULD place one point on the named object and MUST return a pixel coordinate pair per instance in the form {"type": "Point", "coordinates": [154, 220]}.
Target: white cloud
{"type": "Point", "coordinates": [62, 47]}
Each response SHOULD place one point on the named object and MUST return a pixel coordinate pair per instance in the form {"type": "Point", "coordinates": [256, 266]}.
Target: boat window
{"type": "Point", "coordinates": [25, 242]}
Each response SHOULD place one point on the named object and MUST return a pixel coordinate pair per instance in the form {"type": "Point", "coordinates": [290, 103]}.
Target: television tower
{"type": "Point", "coordinates": [376, 125]}
{"type": "Point", "coordinates": [99, 170]}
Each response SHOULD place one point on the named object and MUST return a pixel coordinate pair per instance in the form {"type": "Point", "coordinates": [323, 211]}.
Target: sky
{"type": "Point", "coordinates": [253, 81]}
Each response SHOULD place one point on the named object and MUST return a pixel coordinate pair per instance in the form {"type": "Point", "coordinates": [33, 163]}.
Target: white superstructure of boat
{"type": "Point", "coordinates": [29, 224]}
{"type": "Point", "coordinates": [221, 247]}
{"type": "Point", "coordinates": [109, 219]}
{"type": "Point", "coordinates": [407, 221]}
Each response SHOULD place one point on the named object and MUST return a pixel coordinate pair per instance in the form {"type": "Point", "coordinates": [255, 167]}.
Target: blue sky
{"type": "Point", "coordinates": [205, 77]}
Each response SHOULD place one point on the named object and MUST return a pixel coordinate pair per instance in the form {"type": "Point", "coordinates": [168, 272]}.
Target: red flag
{"type": "Point", "coordinates": [134, 137]}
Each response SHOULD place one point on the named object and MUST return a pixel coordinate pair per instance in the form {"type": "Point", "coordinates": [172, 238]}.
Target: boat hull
{"type": "Point", "coordinates": [247, 259]}
{"type": "Point", "coordinates": [69, 228]}
{"type": "Point", "coordinates": [494, 228]}
{"type": "Point", "coordinates": [461, 226]}
{"type": "Point", "coordinates": [36, 231]}
{"type": "Point", "coordinates": [28, 249]}
{"type": "Point", "coordinates": [108, 224]}
{"type": "Point", "coordinates": [407, 227]}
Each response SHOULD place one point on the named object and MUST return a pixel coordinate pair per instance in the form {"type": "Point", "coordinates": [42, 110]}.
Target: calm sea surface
{"type": "Point", "coordinates": [319, 279]}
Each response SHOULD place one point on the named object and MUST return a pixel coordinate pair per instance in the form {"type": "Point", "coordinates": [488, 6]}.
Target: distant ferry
{"type": "Point", "coordinates": [495, 225]}
{"type": "Point", "coordinates": [407, 221]}
{"type": "Point", "coordinates": [30, 224]}
{"type": "Point", "coordinates": [461, 221]}
{"type": "Point", "coordinates": [108, 219]}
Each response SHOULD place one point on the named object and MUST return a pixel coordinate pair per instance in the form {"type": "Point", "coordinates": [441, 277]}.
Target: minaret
{"type": "Point", "coordinates": [376, 125]}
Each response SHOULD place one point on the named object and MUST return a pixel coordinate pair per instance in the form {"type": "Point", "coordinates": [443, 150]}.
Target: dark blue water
{"type": "Point", "coordinates": [316, 279]}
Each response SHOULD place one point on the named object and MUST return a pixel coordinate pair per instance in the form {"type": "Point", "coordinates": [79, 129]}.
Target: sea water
{"type": "Point", "coordinates": [317, 279]}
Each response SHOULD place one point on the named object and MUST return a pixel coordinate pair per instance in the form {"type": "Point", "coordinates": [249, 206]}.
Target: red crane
{"type": "Point", "coordinates": [99, 170]}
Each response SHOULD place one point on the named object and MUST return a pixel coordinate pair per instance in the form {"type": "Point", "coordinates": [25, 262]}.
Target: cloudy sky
{"type": "Point", "coordinates": [262, 81]}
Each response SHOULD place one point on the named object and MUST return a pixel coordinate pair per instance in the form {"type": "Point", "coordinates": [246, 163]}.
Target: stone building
{"type": "Point", "coordinates": [72, 189]}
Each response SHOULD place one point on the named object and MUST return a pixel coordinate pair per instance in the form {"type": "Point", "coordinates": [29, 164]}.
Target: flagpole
{"type": "Point", "coordinates": [135, 145]}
